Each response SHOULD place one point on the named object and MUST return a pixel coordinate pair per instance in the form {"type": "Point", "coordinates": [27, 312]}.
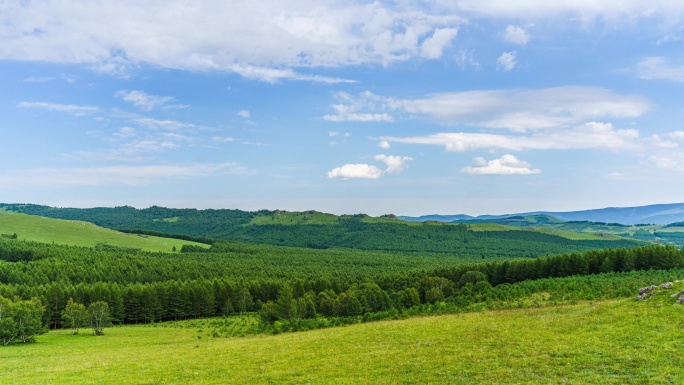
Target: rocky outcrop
{"type": "Point", "coordinates": [649, 291]}
{"type": "Point", "coordinates": [646, 292]}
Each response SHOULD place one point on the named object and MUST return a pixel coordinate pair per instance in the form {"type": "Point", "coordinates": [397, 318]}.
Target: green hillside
{"type": "Point", "coordinates": [607, 342]}
{"type": "Point", "coordinates": [665, 234]}
{"type": "Point", "coordinates": [77, 233]}
{"type": "Point", "coordinates": [316, 230]}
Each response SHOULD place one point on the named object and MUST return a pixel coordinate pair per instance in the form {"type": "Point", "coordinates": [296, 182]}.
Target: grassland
{"type": "Point", "coordinates": [607, 342]}
{"type": "Point", "coordinates": [76, 233]}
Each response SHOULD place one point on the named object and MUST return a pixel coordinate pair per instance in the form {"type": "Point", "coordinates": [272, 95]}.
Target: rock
{"type": "Point", "coordinates": [646, 289]}
{"type": "Point", "coordinates": [666, 285]}
{"type": "Point", "coordinates": [676, 294]}
{"type": "Point", "coordinates": [680, 299]}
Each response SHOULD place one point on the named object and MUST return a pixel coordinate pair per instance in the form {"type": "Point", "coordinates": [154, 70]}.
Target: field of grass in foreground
{"type": "Point", "coordinates": [607, 342]}
{"type": "Point", "coordinates": [76, 233]}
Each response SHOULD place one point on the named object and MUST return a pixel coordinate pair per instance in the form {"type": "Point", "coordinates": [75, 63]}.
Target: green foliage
{"type": "Point", "coordinates": [322, 231]}
{"type": "Point", "coordinates": [99, 317]}
{"type": "Point", "coordinates": [75, 316]}
{"type": "Point", "coordinates": [77, 233]}
{"type": "Point", "coordinates": [20, 320]}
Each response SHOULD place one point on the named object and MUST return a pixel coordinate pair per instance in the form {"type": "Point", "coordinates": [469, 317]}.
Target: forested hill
{"type": "Point", "coordinates": [319, 231]}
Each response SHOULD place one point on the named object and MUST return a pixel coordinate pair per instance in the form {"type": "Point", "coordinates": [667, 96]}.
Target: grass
{"type": "Point", "coordinates": [572, 235]}
{"type": "Point", "coordinates": [75, 233]}
{"type": "Point", "coordinates": [607, 342]}
{"type": "Point", "coordinates": [317, 218]}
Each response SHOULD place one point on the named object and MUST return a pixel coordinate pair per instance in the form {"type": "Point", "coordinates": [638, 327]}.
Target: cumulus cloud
{"type": "Point", "coordinates": [659, 68]}
{"type": "Point", "coordinates": [506, 61]}
{"type": "Point", "coordinates": [395, 164]}
{"type": "Point", "coordinates": [68, 108]}
{"type": "Point", "coordinates": [265, 42]}
{"type": "Point", "coordinates": [676, 135]}
{"type": "Point", "coordinates": [432, 47]}
{"type": "Point", "coordinates": [384, 144]}
{"type": "Point", "coordinates": [113, 175]}
{"type": "Point", "coordinates": [356, 171]}
{"type": "Point", "coordinates": [148, 102]}
{"type": "Point", "coordinates": [516, 35]}
{"type": "Point", "coordinates": [506, 165]}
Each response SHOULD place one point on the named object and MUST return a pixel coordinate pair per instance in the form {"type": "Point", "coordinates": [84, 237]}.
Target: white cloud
{"type": "Point", "coordinates": [354, 171]}
{"type": "Point", "coordinates": [166, 124]}
{"type": "Point", "coordinates": [148, 102]}
{"type": "Point", "coordinates": [520, 110]}
{"type": "Point", "coordinates": [617, 175]}
{"type": "Point", "coordinates": [263, 42]}
{"type": "Point", "coordinates": [658, 68]}
{"type": "Point", "coordinates": [507, 61]}
{"type": "Point", "coordinates": [506, 165]}
{"type": "Point", "coordinates": [348, 110]}
{"type": "Point", "coordinates": [583, 10]}
{"type": "Point", "coordinates": [68, 108]}
{"type": "Point", "coordinates": [395, 164]}
{"type": "Point", "coordinates": [384, 144]}
{"type": "Point", "coordinates": [222, 139]}
{"type": "Point", "coordinates": [433, 47]}
{"type": "Point", "coordinates": [38, 79]}
{"type": "Point", "coordinates": [125, 132]}
{"type": "Point", "coordinates": [113, 175]}
{"type": "Point", "coordinates": [354, 117]}
{"type": "Point", "coordinates": [676, 135]}
{"type": "Point", "coordinates": [516, 35]}
{"type": "Point", "coordinates": [247, 116]}
{"type": "Point", "coordinates": [466, 58]}
{"type": "Point", "coordinates": [592, 135]}
{"type": "Point", "coordinates": [274, 75]}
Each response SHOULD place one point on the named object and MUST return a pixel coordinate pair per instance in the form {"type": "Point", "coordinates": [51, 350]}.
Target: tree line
{"type": "Point", "coordinates": [292, 295]}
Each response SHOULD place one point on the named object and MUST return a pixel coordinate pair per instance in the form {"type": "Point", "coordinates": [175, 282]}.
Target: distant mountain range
{"type": "Point", "coordinates": [660, 214]}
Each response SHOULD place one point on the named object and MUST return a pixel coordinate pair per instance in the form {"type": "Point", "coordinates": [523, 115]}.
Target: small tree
{"type": "Point", "coordinates": [285, 304]}
{"type": "Point", "coordinates": [99, 317]}
{"type": "Point", "coordinates": [28, 316]}
{"type": "Point", "coordinates": [20, 320]}
{"type": "Point", "coordinates": [245, 301]}
{"type": "Point", "coordinates": [8, 328]}
{"type": "Point", "coordinates": [74, 316]}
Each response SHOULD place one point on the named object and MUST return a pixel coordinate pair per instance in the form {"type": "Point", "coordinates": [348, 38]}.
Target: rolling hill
{"type": "Point", "coordinates": [316, 230]}
{"type": "Point", "coordinates": [78, 233]}
{"type": "Point", "coordinates": [660, 214]}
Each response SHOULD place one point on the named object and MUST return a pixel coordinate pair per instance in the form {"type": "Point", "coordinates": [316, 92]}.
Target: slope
{"type": "Point", "coordinates": [606, 342]}
{"type": "Point", "coordinates": [320, 231]}
{"type": "Point", "coordinates": [76, 233]}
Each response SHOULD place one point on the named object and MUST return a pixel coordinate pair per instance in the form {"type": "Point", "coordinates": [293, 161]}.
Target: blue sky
{"type": "Point", "coordinates": [472, 106]}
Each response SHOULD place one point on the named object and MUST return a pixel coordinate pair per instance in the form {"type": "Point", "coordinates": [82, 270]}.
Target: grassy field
{"type": "Point", "coordinates": [48, 230]}
{"type": "Point", "coordinates": [576, 236]}
{"type": "Point", "coordinates": [608, 342]}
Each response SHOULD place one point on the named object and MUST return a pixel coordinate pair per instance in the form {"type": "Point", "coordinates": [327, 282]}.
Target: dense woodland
{"type": "Point", "coordinates": [351, 231]}
{"type": "Point", "coordinates": [287, 284]}
{"type": "Point", "coordinates": [318, 271]}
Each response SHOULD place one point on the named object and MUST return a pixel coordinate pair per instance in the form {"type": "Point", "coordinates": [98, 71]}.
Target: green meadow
{"type": "Point", "coordinates": [606, 342]}
{"type": "Point", "coordinates": [77, 233]}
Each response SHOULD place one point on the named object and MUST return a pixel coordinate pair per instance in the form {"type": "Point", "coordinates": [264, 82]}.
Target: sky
{"type": "Point", "coordinates": [402, 107]}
